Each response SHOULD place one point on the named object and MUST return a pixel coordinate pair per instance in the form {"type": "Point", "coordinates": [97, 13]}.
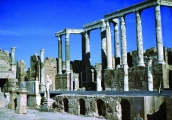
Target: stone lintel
{"type": "Point", "coordinates": [70, 31]}
{"type": "Point", "coordinates": [94, 25]}
{"type": "Point", "coordinates": [131, 9]}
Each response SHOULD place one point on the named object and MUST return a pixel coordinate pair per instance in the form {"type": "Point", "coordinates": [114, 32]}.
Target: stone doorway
{"type": "Point", "coordinates": [82, 106]}
{"type": "Point", "coordinates": [101, 108]}
{"type": "Point", "coordinates": [65, 103]}
{"type": "Point", "coordinates": [125, 104]}
{"type": "Point", "coordinates": [4, 84]}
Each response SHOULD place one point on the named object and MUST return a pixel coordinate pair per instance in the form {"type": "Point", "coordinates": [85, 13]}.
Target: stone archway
{"type": "Point", "coordinates": [125, 104]}
{"type": "Point", "coordinates": [82, 106]}
{"type": "Point", "coordinates": [65, 103]}
{"type": "Point", "coordinates": [101, 108]}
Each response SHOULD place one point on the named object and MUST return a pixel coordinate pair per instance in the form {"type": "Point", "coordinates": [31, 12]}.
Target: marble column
{"type": "Point", "coordinates": [159, 40]}
{"type": "Point", "coordinates": [87, 56]}
{"type": "Point", "coordinates": [59, 55]}
{"type": "Point", "coordinates": [67, 53]}
{"type": "Point", "coordinates": [103, 47]}
{"type": "Point", "coordinates": [108, 46]}
{"type": "Point", "coordinates": [13, 55]}
{"type": "Point", "coordinates": [42, 81]}
{"type": "Point", "coordinates": [124, 53]}
{"type": "Point", "coordinates": [139, 39]}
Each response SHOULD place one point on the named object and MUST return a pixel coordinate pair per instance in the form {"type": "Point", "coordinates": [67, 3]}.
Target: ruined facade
{"type": "Point", "coordinates": [109, 89]}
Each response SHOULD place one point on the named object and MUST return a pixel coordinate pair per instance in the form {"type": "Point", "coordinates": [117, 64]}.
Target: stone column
{"type": "Point", "coordinates": [87, 56]}
{"type": "Point", "coordinates": [42, 81]}
{"type": "Point", "coordinates": [67, 53]}
{"type": "Point", "coordinates": [159, 40]}
{"type": "Point", "coordinates": [21, 101]}
{"type": "Point", "coordinates": [108, 46]}
{"type": "Point", "coordinates": [103, 47]}
{"type": "Point", "coordinates": [98, 80]}
{"type": "Point", "coordinates": [150, 77]}
{"type": "Point", "coordinates": [124, 53]}
{"type": "Point", "coordinates": [13, 55]}
{"type": "Point", "coordinates": [117, 50]}
{"type": "Point", "coordinates": [139, 39]}
{"type": "Point", "coordinates": [59, 55]}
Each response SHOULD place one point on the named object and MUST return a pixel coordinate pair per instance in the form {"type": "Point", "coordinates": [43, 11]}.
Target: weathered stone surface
{"type": "Point", "coordinates": [50, 65]}
{"type": "Point", "coordinates": [21, 70]}
{"type": "Point", "coordinates": [21, 101]}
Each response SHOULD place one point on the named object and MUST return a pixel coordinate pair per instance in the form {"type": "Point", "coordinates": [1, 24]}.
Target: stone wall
{"type": "Point", "coordinates": [50, 68]}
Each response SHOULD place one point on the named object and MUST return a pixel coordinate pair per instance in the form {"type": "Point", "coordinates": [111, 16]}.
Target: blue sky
{"type": "Point", "coordinates": [30, 25]}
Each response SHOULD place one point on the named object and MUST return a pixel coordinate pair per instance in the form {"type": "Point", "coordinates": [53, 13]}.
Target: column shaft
{"type": "Point", "coordinates": [159, 41]}
{"type": "Point", "coordinates": [103, 47]}
{"type": "Point", "coordinates": [67, 52]}
{"type": "Point", "coordinates": [59, 55]}
{"type": "Point", "coordinates": [42, 66]}
{"type": "Point", "coordinates": [109, 46]}
{"type": "Point", "coordinates": [139, 40]}
{"type": "Point", "coordinates": [13, 55]}
{"type": "Point", "coordinates": [124, 53]}
{"type": "Point", "coordinates": [117, 42]}
{"type": "Point", "coordinates": [87, 56]}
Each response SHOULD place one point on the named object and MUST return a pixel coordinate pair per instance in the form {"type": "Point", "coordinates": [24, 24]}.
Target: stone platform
{"type": "Point", "coordinates": [33, 114]}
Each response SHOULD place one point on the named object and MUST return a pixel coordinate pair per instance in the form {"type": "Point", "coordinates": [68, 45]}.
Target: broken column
{"type": "Point", "coordinates": [149, 72]}
{"type": "Point", "coordinates": [139, 39]}
{"type": "Point", "coordinates": [108, 46]}
{"type": "Point", "coordinates": [159, 40]}
{"type": "Point", "coordinates": [124, 53]}
{"type": "Point", "coordinates": [21, 101]}
{"type": "Point", "coordinates": [13, 58]}
{"type": "Point", "coordinates": [59, 55]}
{"type": "Point", "coordinates": [98, 80]}
{"type": "Point", "coordinates": [42, 81]}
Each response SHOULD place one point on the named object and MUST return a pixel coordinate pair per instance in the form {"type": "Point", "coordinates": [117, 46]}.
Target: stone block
{"type": "Point", "coordinates": [21, 101]}
{"type": "Point", "coordinates": [34, 100]}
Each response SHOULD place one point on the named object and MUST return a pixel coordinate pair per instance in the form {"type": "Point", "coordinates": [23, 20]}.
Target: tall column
{"type": "Point", "coordinates": [159, 41]}
{"type": "Point", "coordinates": [124, 53]}
{"type": "Point", "coordinates": [59, 55]}
{"type": "Point", "coordinates": [109, 46]}
{"type": "Point", "coordinates": [117, 50]}
{"type": "Point", "coordinates": [67, 52]}
{"type": "Point", "coordinates": [13, 55]}
{"type": "Point", "coordinates": [83, 57]}
{"type": "Point", "coordinates": [87, 56]}
{"type": "Point", "coordinates": [103, 47]}
{"type": "Point", "coordinates": [42, 66]}
{"type": "Point", "coordinates": [139, 39]}
{"type": "Point", "coordinates": [117, 42]}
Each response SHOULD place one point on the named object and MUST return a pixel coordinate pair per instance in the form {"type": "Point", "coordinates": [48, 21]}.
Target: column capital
{"type": "Point", "coordinates": [115, 21]}
{"type": "Point", "coordinates": [42, 50]}
{"type": "Point", "coordinates": [67, 35]}
{"type": "Point", "coordinates": [13, 48]}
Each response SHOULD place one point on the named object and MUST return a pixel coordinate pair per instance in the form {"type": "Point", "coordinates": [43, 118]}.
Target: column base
{"type": "Point", "coordinates": [21, 110]}
{"type": "Point", "coordinates": [47, 105]}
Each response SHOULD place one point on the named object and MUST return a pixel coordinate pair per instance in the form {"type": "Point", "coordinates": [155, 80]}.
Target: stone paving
{"type": "Point", "coordinates": [33, 114]}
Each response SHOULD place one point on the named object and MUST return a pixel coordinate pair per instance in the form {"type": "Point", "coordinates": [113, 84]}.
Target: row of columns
{"type": "Point", "coordinates": [106, 44]}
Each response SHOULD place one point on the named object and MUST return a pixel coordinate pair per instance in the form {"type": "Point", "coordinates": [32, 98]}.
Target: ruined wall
{"type": "Point", "coordinates": [50, 69]}
{"type": "Point", "coordinates": [138, 75]}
